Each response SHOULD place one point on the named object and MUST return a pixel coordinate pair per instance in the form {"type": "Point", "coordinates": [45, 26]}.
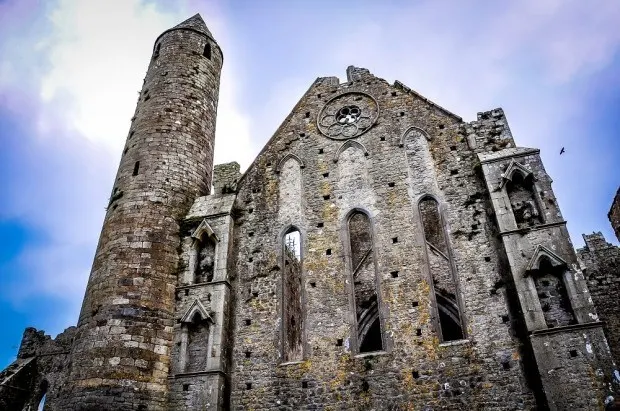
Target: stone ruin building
{"type": "Point", "coordinates": [380, 253]}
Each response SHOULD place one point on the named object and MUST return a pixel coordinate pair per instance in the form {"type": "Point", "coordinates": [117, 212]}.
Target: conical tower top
{"type": "Point", "coordinates": [196, 23]}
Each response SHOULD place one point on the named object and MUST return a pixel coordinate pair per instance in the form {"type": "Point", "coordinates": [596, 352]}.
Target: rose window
{"type": "Point", "coordinates": [348, 115]}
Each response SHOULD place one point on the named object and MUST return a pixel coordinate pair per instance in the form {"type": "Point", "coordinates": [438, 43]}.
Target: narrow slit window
{"type": "Point", "coordinates": [450, 321]}
{"type": "Point", "coordinates": [207, 51]}
{"type": "Point", "coordinates": [292, 299]}
{"type": "Point", "coordinates": [157, 49]}
{"type": "Point", "coordinates": [368, 324]}
{"type": "Point", "coordinates": [136, 168]}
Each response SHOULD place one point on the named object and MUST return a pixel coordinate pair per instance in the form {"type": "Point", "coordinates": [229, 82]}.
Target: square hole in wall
{"type": "Point", "coordinates": [505, 318]}
{"type": "Point", "coordinates": [254, 294]}
{"type": "Point", "coordinates": [415, 303]}
{"type": "Point", "coordinates": [339, 342]}
{"type": "Point", "coordinates": [454, 172]}
{"type": "Point", "coordinates": [393, 94]}
{"type": "Point", "coordinates": [186, 292]}
{"type": "Point", "coordinates": [320, 151]}
{"type": "Point", "coordinates": [382, 138]}
{"type": "Point", "coordinates": [325, 175]}
{"type": "Point", "coordinates": [248, 321]}
{"type": "Point", "coordinates": [307, 114]}
{"type": "Point", "coordinates": [487, 259]}
{"type": "Point", "coordinates": [328, 251]}
{"type": "Point", "coordinates": [250, 210]}
{"type": "Point", "coordinates": [302, 134]}
{"type": "Point", "coordinates": [452, 148]}
{"type": "Point", "coordinates": [415, 374]}
{"type": "Point", "coordinates": [251, 234]}
{"type": "Point", "coordinates": [319, 225]}
{"type": "Point", "coordinates": [312, 284]}
{"type": "Point", "coordinates": [402, 113]}
{"type": "Point", "coordinates": [248, 385]}
{"type": "Point", "coordinates": [250, 260]}
{"type": "Point", "coordinates": [573, 353]}
{"type": "Point", "coordinates": [418, 332]}
{"type": "Point", "coordinates": [394, 274]}
{"type": "Point", "coordinates": [391, 184]}
{"type": "Point", "coordinates": [394, 240]}
{"type": "Point", "coordinates": [248, 354]}
{"type": "Point", "coordinates": [545, 283]}
{"type": "Point", "coordinates": [506, 365]}
{"type": "Point", "coordinates": [318, 95]}
{"type": "Point", "coordinates": [326, 197]}
{"type": "Point", "coordinates": [304, 384]}
{"type": "Point", "coordinates": [185, 387]}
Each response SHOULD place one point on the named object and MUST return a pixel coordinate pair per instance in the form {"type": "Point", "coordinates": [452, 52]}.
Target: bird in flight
{"type": "Point", "coordinates": [562, 151]}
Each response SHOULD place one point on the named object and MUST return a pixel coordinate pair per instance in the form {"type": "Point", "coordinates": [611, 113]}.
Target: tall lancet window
{"type": "Point", "coordinates": [368, 324]}
{"type": "Point", "coordinates": [442, 272]}
{"type": "Point", "coordinates": [292, 298]}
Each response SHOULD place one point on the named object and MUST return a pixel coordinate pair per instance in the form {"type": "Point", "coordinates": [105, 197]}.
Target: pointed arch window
{"type": "Point", "coordinates": [443, 276]}
{"type": "Point", "coordinates": [195, 339]}
{"type": "Point", "coordinates": [292, 296]}
{"type": "Point", "coordinates": [365, 296]}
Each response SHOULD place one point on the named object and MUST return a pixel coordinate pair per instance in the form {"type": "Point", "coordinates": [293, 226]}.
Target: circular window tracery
{"type": "Point", "coordinates": [348, 115]}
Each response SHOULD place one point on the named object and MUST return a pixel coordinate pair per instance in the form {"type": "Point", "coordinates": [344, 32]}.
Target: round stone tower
{"type": "Point", "coordinates": [121, 353]}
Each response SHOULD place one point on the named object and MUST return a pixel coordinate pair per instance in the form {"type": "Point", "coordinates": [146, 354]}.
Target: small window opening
{"type": "Point", "coordinates": [248, 321]}
{"type": "Point", "coordinates": [393, 94]}
{"type": "Point", "coordinates": [320, 151]}
{"type": "Point", "coordinates": [454, 172]}
{"type": "Point", "coordinates": [326, 197]}
{"type": "Point", "coordinates": [304, 384]}
{"type": "Point", "coordinates": [250, 210]}
{"type": "Point", "coordinates": [131, 133]}
{"type": "Point", "coordinates": [313, 284]}
{"type": "Point", "coordinates": [415, 303]}
{"type": "Point", "coordinates": [453, 148]}
{"type": "Point", "coordinates": [415, 374]}
{"type": "Point", "coordinates": [248, 385]}
{"type": "Point", "coordinates": [185, 387]}
{"type": "Point", "coordinates": [251, 234]}
{"type": "Point", "coordinates": [207, 51]}
{"type": "Point", "coordinates": [339, 342]}
{"type": "Point", "coordinates": [157, 49]}
{"type": "Point", "coordinates": [487, 259]}
{"type": "Point", "coordinates": [573, 353]}
{"type": "Point", "coordinates": [418, 332]}
{"type": "Point", "coordinates": [505, 318]}
{"type": "Point", "coordinates": [382, 138]}
{"type": "Point", "coordinates": [250, 260]}
{"type": "Point", "coordinates": [319, 225]}
{"type": "Point", "coordinates": [394, 240]}
{"type": "Point", "coordinates": [248, 354]}
{"type": "Point", "coordinates": [365, 386]}
{"type": "Point", "coordinates": [394, 274]}
{"type": "Point", "coordinates": [302, 134]}
{"type": "Point", "coordinates": [307, 114]}
{"type": "Point", "coordinates": [402, 113]}
{"type": "Point", "coordinates": [391, 184]}
{"type": "Point", "coordinates": [136, 168]}
{"type": "Point", "coordinates": [254, 294]}
{"type": "Point", "coordinates": [328, 251]}
{"type": "Point", "coordinates": [186, 292]}
{"type": "Point", "coordinates": [325, 175]}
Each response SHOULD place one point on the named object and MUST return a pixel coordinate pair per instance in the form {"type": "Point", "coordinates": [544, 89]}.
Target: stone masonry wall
{"type": "Point", "coordinates": [601, 263]}
{"type": "Point", "coordinates": [413, 370]}
{"type": "Point", "coordinates": [614, 214]}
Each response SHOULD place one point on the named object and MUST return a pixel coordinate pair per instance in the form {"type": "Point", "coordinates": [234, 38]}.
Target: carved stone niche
{"type": "Point", "coordinates": [202, 257]}
{"type": "Point", "coordinates": [196, 339]}
{"type": "Point", "coordinates": [520, 188]}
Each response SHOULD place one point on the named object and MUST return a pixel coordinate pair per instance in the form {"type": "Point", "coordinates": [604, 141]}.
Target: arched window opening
{"type": "Point", "coordinates": [41, 395]}
{"type": "Point", "coordinates": [205, 265]}
{"type": "Point", "coordinates": [197, 344]}
{"type": "Point", "coordinates": [368, 324]}
{"type": "Point", "coordinates": [292, 308]}
{"type": "Point", "coordinates": [523, 200]}
{"type": "Point", "coordinates": [157, 48]}
{"type": "Point", "coordinates": [450, 325]}
{"type": "Point", "coordinates": [207, 51]}
{"type": "Point", "coordinates": [553, 296]}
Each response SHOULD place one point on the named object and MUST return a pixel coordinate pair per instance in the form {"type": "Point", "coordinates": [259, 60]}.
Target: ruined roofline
{"type": "Point", "coordinates": [398, 84]}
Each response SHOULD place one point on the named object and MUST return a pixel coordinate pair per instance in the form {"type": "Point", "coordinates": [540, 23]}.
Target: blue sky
{"type": "Point", "coordinates": [70, 71]}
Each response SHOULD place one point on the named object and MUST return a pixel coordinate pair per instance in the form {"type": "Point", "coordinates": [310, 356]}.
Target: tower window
{"type": "Point", "coordinates": [207, 51]}
{"type": "Point", "coordinates": [157, 48]}
{"type": "Point", "coordinates": [136, 168]}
